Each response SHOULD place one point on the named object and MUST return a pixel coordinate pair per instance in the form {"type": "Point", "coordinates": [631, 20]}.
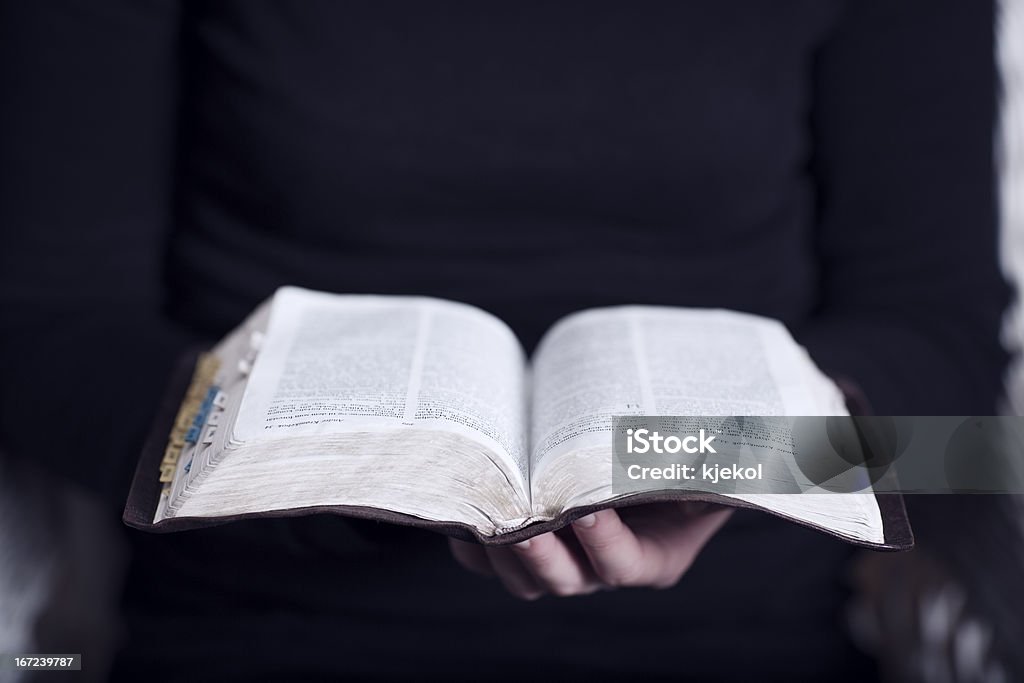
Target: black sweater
{"type": "Point", "coordinates": [164, 167]}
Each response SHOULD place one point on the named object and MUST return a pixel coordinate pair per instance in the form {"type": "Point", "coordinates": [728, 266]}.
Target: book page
{"type": "Point", "coordinates": [641, 360]}
{"type": "Point", "coordinates": [645, 360]}
{"type": "Point", "coordinates": [333, 364]}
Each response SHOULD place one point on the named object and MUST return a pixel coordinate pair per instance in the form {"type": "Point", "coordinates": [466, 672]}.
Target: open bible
{"type": "Point", "coordinates": [427, 412]}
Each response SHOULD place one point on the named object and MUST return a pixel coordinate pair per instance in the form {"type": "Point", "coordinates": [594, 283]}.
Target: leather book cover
{"type": "Point", "coordinates": [146, 488]}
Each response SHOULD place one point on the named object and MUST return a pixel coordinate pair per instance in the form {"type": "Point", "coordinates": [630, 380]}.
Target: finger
{"type": "Point", "coordinates": [554, 566]}
{"type": "Point", "coordinates": [708, 520]}
{"type": "Point", "coordinates": [696, 529]}
{"type": "Point", "coordinates": [684, 542]}
{"type": "Point", "coordinates": [517, 580]}
{"type": "Point", "coordinates": [614, 551]}
{"type": "Point", "coordinates": [700, 527]}
{"type": "Point", "coordinates": [471, 556]}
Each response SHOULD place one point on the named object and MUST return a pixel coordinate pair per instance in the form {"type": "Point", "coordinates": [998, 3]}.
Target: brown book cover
{"type": "Point", "coordinates": [144, 495]}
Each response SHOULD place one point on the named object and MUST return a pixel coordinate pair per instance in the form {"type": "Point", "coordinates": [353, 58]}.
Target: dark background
{"type": "Point", "coordinates": [164, 166]}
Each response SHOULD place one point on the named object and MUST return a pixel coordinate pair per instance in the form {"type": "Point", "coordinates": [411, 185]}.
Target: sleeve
{"type": "Point", "coordinates": [86, 154]}
{"type": "Point", "coordinates": [912, 296]}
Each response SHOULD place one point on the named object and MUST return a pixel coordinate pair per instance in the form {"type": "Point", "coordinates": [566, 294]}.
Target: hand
{"type": "Point", "coordinates": [648, 545]}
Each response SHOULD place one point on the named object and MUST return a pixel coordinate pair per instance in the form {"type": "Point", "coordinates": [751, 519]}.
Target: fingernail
{"type": "Point", "coordinates": [587, 522]}
{"type": "Point", "coordinates": [523, 544]}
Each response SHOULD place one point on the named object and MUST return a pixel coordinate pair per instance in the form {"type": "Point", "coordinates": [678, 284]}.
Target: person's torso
{"type": "Point", "coordinates": [532, 159]}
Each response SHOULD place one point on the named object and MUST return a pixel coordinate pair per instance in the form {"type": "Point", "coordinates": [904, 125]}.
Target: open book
{"type": "Point", "coordinates": [423, 411]}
